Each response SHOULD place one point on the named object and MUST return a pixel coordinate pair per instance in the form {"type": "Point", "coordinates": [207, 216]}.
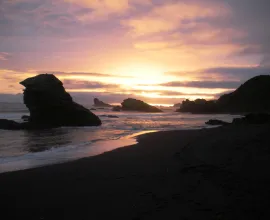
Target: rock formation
{"type": "Point", "coordinates": [138, 105]}
{"type": "Point", "coordinates": [25, 117]}
{"type": "Point", "coordinates": [10, 125]}
{"type": "Point", "coordinates": [216, 122]}
{"type": "Point", "coordinates": [98, 103]}
{"type": "Point", "coordinates": [252, 118]}
{"type": "Point", "coordinates": [258, 118]}
{"type": "Point", "coordinates": [51, 106]}
{"type": "Point", "coordinates": [117, 108]}
{"type": "Point", "coordinates": [177, 105]}
{"type": "Point", "coordinates": [200, 106]}
{"type": "Point", "coordinates": [252, 96]}
{"type": "Point", "coordinates": [109, 116]}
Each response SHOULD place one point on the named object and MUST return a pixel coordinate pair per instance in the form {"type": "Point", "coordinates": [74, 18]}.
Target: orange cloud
{"type": "Point", "coordinates": [203, 47]}
{"type": "Point", "coordinates": [171, 16]}
{"type": "Point", "coordinates": [102, 9]}
{"type": "Point", "coordinates": [179, 55]}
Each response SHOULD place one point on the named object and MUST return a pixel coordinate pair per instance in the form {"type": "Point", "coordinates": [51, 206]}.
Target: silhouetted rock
{"type": "Point", "coordinates": [99, 103]}
{"type": "Point", "coordinates": [216, 122]}
{"type": "Point", "coordinates": [51, 106]}
{"type": "Point", "coordinates": [254, 118]}
{"type": "Point", "coordinates": [198, 106]}
{"type": "Point", "coordinates": [25, 117]}
{"type": "Point", "coordinates": [252, 96]}
{"type": "Point", "coordinates": [138, 105]}
{"type": "Point", "coordinates": [10, 125]}
{"type": "Point", "coordinates": [109, 116]}
{"type": "Point", "coordinates": [177, 105]}
{"type": "Point", "coordinates": [117, 108]}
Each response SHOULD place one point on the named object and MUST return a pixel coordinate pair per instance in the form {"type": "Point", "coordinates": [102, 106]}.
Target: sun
{"type": "Point", "coordinates": [142, 74]}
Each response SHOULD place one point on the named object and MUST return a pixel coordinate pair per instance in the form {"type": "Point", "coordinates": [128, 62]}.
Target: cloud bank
{"type": "Point", "coordinates": [203, 44]}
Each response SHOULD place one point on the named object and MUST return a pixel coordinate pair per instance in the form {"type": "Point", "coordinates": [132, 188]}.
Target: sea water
{"type": "Point", "coordinates": [28, 149]}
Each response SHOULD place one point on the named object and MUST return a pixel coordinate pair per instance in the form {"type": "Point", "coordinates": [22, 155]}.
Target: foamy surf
{"type": "Point", "coordinates": [61, 155]}
{"type": "Point", "coordinates": [28, 149]}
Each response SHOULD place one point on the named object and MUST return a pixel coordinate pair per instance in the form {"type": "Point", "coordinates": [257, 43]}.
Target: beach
{"type": "Point", "coordinates": [218, 173]}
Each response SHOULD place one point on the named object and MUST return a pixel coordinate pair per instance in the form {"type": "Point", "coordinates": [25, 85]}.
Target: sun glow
{"type": "Point", "coordinates": [143, 74]}
{"type": "Point", "coordinates": [191, 97]}
{"type": "Point", "coordinates": [184, 90]}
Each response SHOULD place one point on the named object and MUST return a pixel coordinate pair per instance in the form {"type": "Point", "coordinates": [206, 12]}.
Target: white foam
{"type": "Point", "coordinates": [88, 141]}
{"type": "Point", "coordinates": [61, 155]}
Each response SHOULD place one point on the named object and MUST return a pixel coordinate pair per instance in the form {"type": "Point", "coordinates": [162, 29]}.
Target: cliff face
{"type": "Point", "coordinates": [252, 96]}
{"type": "Point", "coordinates": [51, 106]}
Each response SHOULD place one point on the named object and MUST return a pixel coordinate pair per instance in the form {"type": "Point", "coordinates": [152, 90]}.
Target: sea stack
{"type": "Point", "coordinates": [51, 106]}
{"type": "Point", "coordinates": [99, 103]}
{"type": "Point", "coordinates": [138, 105]}
{"type": "Point", "coordinates": [252, 96]}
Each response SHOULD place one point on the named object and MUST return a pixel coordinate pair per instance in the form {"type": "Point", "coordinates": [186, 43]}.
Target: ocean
{"type": "Point", "coordinates": [28, 149]}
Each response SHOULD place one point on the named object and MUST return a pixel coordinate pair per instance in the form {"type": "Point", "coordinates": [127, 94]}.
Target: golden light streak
{"type": "Point", "coordinates": [191, 97]}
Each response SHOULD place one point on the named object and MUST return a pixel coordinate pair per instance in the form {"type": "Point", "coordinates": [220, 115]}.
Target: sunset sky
{"type": "Point", "coordinates": [160, 51]}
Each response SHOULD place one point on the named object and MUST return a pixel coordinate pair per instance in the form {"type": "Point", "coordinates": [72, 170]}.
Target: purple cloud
{"type": "Point", "coordinates": [82, 84]}
{"type": "Point", "coordinates": [205, 84]}
{"type": "Point", "coordinates": [88, 38]}
{"type": "Point", "coordinates": [4, 56]}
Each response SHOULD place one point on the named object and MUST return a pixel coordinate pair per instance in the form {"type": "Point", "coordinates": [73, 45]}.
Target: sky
{"type": "Point", "coordinates": [158, 51]}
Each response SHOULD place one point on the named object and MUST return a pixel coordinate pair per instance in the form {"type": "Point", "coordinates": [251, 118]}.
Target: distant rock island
{"type": "Point", "coordinates": [136, 105]}
{"type": "Point", "coordinates": [252, 96]}
{"type": "Point", "coordinates": [99, 103]}
{"type": "Point", "coordinates": [177, 105]}
{"type": "Point", "coordinates": [50, 106]}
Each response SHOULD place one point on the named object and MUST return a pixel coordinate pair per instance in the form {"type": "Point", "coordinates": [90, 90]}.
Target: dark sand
{"type": "Point", "coordinates": [220, 173]}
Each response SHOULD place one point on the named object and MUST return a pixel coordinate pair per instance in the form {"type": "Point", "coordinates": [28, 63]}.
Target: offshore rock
{"type": "Point", "coordinates": [117, 108]}
{"type": "Point", "coordinates": [99, 103]}
{"type": "Point", "coordinates": [253, 118]}
{"type": "Point", "coordinates": [251, 97]}
{"type": "Point", "coordinates": [51, 106]}
{"type": "Point", "coordinates": [216, 122]}
{"type": "Point", "coordinates": [138, 105]}
{"type": "Point", "coordinates": [10, 125]}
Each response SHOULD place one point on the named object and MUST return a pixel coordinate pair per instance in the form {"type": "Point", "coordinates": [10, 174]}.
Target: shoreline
{"type": "Point", "coordinates": [217, 173]}
{"type": "Point", "coordinates": [65, 154]}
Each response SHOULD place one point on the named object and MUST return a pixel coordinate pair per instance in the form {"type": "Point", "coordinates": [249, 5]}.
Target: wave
{"type": "Point", "coordinates": [67, 143]}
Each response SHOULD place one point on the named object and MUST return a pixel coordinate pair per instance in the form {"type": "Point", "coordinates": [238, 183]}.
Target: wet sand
{"type": "Point", "coordinates": [220, 173]}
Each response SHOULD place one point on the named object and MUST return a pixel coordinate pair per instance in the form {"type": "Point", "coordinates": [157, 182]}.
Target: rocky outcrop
{"type": "Point", "coordinates": [10, 125]}
{"type": "Point", "coordinates": [51, 106]}
{"type": "Point", "coordinates": [216, 122]}
{"type": "Point", "coordinates": [117, 108]}
{"type": "Point", "coordinates": [109, 116]}
{"type": "Point", "coordinates": [177, 105]}
{"type": "Point", "coordinates": [138, 105]}
{"type": "Point", "coordinates": [199, 106]}
{"type": "Point", "coordinates": [259, 118]}
{"type": "Point", "coordinates": [25, 117]}
{"type": "Point", "coordinates": [252, 118]}
{"type": "Point", "coordinates": [252, 96]}
{"type": "Point", "coordinates": [98, 103]}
